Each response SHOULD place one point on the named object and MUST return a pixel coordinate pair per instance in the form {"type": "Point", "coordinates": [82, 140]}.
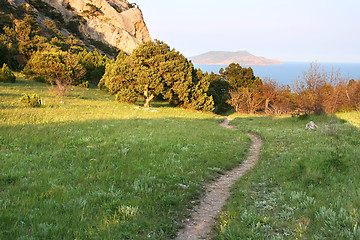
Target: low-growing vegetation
{"type": "Point", "coordinates": [305, 185]}
{"type": "Point", "coordinates": [6, 75]}
{"type": "Point", "coordinates": [87, 167]}
{"type": "Point", "coordinates": [32, 100]}
{"type": "Point", "coordinates": [75, 164]}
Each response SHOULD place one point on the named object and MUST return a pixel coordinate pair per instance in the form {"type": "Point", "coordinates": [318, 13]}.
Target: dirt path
{"type": "Point", "coordinates": [203, 216]}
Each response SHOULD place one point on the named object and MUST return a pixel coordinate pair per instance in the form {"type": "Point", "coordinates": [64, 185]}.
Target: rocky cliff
{"type": "Point", "coordinates": [114, 22]}
{"type": "Point", "coordinates": [225, 58]}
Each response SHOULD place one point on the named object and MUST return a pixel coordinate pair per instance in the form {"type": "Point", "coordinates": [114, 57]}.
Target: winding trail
{"type": "Point", "coordinates": [202, 219]}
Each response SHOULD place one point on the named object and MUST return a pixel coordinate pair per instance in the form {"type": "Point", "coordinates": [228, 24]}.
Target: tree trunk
{"type": "Point", "coordinates": [267, 101]}
{"type": "Point", "coordinates": [148, 100]}
{"type": "Point", "coordinates": [148, 97]}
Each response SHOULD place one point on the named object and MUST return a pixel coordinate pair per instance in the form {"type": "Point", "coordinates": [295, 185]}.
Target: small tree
{"type": "Point", "coordinates": [352, 92]}
{"type": "Point", "coordinates": [200, 100]}
{"type": "Point", "coordinates": [94, 64]}
{"type": "Point", "coordinates": [246, 99]}
{"type": "Point", "coordinates": [24, 32]}
{"type": "Point", "coordinates": [60, 69]}
{"type": "Point", "coordinates": [6, 75]}
{"type": "Point", "coordinates": [239, 77]}
{"type": "Point", "coordinates": [118, 75]}
{"type": "Point", "coordinates": [276, 98]}
{"type": "Point", "coordinates": [244, 88]}
{"type": "Point", "coordinates": [319, 91]}
{"type": "Point", "coordinates": [219, 90]}
{"type": "Point", "coordinates": [160, 71]}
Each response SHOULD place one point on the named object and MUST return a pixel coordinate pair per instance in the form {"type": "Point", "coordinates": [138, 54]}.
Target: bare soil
{"type": "Point", "coordinates": [202, 220]}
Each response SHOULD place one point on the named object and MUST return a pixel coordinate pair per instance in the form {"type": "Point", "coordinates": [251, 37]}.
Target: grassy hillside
{"type": "Point", "coordinates": [306, 185]}
{"type": "Point", "coordinates": [87, 167]}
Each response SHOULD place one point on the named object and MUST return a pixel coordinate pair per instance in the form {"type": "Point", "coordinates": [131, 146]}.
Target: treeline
{"type": "Point", "coordinates": [153, 70]}
{"type": "Point", "coordinates": [317, 91]}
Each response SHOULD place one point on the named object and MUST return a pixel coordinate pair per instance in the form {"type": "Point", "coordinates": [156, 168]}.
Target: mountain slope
{"type": "Point", "coordinates": [225, 58]}
{"type": "Point", "coordinates": [114, 22]}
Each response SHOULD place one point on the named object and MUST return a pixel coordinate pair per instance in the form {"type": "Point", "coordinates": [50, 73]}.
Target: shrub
{"type": "Point", "coordinates": [112, 51]}
{"type": "Point", "coordinates": [33, 100]}
{"type": "Point", "coordinates": [79, 18]}
{"type": "Point", "coordinates": [92, 10]}
{"type": "Point", "coordinates": [47, 10]}
{"type": "Point", "coordinates": [94, 63]}
{"type": "Point", "coordinates": [6, 75]}
{"type": "Point", "coordinates": [132, 5]}
{"type": "Point", "coordinates": [126, 95]}
{"type": "Point", "coordinates": [55, 66]}
{"type": "Point", "coordinates": [92, 7]}
{"type": "Point", "coordinates": [38, 79]}
{"type": "Point", "coordinates": [73, 26]}
{"type": "Point", "coordinates": [59, 88]}
{"type": "Point", "coordinates": [84, 84]}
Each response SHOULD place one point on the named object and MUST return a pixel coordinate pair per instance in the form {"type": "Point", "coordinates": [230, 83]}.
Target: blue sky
{"type": "Point", "coordinates": [286, 30]}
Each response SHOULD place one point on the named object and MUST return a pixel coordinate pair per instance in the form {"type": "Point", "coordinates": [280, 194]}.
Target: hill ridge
{"type": "Point", "coordinates": [242, 57]}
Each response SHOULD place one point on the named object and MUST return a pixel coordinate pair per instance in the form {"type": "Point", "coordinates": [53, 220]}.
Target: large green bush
{"type": "Point", "coordinates": [56, 66]}
{"type": "Point", "coordinates": [219, 90]}
{"type": "Point", "coordinates": [6, 75]}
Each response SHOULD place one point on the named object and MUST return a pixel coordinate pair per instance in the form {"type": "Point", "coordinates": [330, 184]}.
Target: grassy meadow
{"type": "Point", "coordinates": [87, 167]}
{"type": "Point", "coordinates": [306, 185]}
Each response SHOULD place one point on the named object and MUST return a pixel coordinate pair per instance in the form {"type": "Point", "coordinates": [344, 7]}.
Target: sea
{"type": "Point", "coordinates": [288, 72]}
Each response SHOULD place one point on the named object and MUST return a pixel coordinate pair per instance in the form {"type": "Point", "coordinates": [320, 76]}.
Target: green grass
{"type": "Point", "coordinates": [87, 167]}
{"type": "Point", "coordinates": [306, 185]}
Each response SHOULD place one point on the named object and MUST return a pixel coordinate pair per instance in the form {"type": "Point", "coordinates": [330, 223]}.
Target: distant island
{"type": "Point", "coordinates": [225, 58]}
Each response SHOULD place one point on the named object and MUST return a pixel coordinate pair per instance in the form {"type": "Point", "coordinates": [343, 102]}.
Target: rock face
{"type": "Point", "coordinates": [115, 22]}
{"type": "Point", "coordinates": [226, 58]}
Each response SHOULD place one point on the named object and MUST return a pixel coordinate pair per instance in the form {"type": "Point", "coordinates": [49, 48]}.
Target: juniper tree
{"type": "Point", "coordinates": [58, 68]}
{"type": "Point", "coordinates": [156, 71]}
{"type": "Point", "coordinates": [239, 77]}
{"type": "Point", "coordinates": [160, 71]}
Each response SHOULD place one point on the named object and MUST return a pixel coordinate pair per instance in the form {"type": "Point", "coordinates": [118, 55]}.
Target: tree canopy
{"type": "Point", "coordinates": [55, 66]}
{"type": "Point", "coordinates": [239, 77]}
{"type": "Point", "coordinates": [156, 71]}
